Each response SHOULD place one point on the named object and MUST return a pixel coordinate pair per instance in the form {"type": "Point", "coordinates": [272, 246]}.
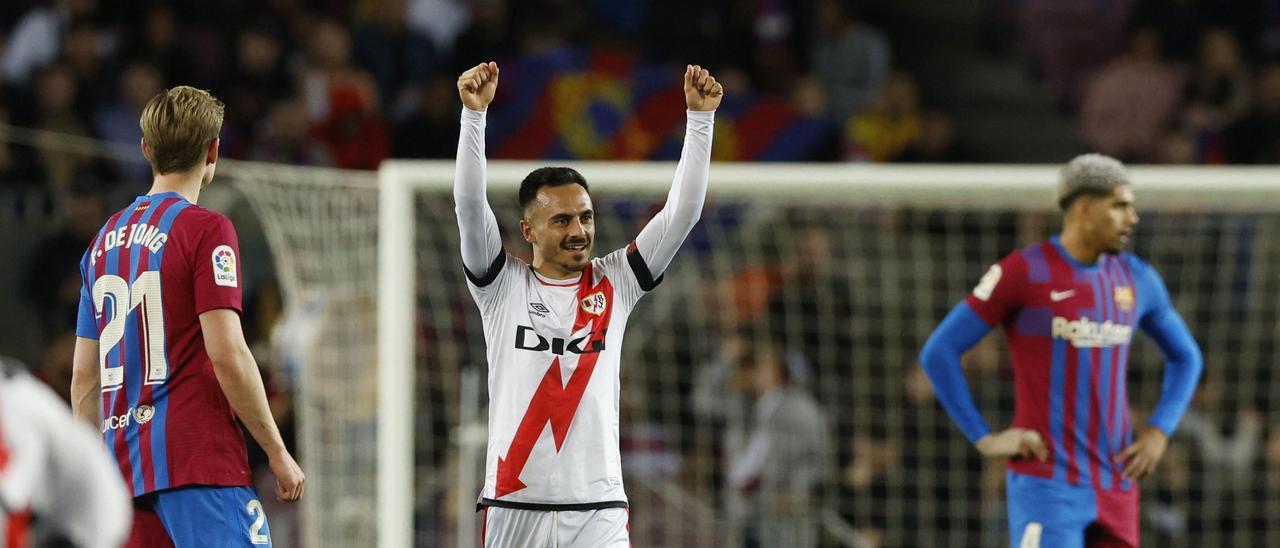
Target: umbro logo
{"type": "Point", "coordinates": [1056, 296]}
{"type": "Point", "coordinates": [538, 309]}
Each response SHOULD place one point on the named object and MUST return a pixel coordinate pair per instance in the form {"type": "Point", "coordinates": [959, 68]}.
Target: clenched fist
{"type": "Point", "coordinates": [477, 85]}
{"type": "Point", "coordinates": [701, 90]}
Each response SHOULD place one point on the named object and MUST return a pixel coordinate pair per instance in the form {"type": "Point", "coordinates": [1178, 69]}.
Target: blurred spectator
{"type": "Point", "coordinates": [33, 44]}
{"type": "Point", "coordinates": [283, 138]}
{"type": "Point", "coordinates": [118, 122]}
{"type": "Point", "coordinates": [809, 97]}
{"type": "Point", "coordinates": [51, 283]}
{"type": "Point", "coordinates": [55, 364]}
{"type": "Point", "coordinates": [56, 100]}
{"type": "Point", "coordinates": [780, 457]}
{"type": "Point", "coordinates": [548, 27]}
{"type": "Point", "coordinates": [883, 131]}
{"type": "Point", "coordinates": [815, 300]}
{"type": "Point", "coordinates": [935, 143]}
{"type": "Point", "coordinates": [18, 164]}
{"type": "Point", "coordinates": [156, 42]}
{"type": "Point", "coordinates": [1176, 147]}
{"type": "Point", "coordinates": [395, 53]}
{"type": "Point", "coordinates": [1255, 139]}
{"type": "Point", "coordinates": [851, 58]}
{"type": "Point", "coordinates": [258, 80]}
{"type": "Point", "coordinates": [1226, 446]}
{"type": "Point", "coordinates": [774, 62]}
{"type": "Point", "coordinates": [931, 443]}
{"type": "Point", "coordinates": [431, 131]}
{"type": "Point", "coordinates": [439, 21]}
{"type": "Point", "coordinates": [1130, 101]}
{"type": "Point", "coordinates": [1223, 447]}
{"type": "Point", "coordinates": [354, 134]}
{"type": "Point", "coordinates": [1069, 40]}
{"type": "Point", "coordinates": [1216, 96]}
{"type": "Point", "coordinates": [85, 51]}
{"type": "Point", "coordinates": [744, 297]}
{"type": "Point", "coordinates": [328, 66]}
{"type": "Point", "coordinates": [488, 36]}
{"type": "Point", "coordinates": [1183, 22]}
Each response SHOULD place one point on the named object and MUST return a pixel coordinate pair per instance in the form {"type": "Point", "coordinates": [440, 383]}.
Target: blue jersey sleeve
{"type": "Point", "coordinates": [958, 332]}
{"type": "Point", "coordinates": [1183, 362]}
{"type": "Point", "coordinates": [86, 324]}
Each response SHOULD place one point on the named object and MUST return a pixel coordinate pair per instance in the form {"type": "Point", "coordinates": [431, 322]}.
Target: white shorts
{"type": "Point", "coordinates": [511, 528]}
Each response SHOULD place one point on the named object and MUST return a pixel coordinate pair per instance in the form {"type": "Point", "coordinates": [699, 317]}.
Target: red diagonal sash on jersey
{"type": "Point", "coordinates": [554, 402]}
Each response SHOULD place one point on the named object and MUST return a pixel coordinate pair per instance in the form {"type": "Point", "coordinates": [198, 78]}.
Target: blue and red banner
{"type": "Point", "coordinates": [576, 104]}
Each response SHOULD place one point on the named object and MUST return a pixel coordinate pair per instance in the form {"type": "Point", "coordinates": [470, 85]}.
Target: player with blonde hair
{"type": "Point", "coordinates": [161, 363]}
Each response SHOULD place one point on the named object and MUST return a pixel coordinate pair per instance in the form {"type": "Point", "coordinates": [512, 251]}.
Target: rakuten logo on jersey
{"type": "Point", "coordinates": [1089, 334]}
{"type": "Point", "coordinates": [528, 339]}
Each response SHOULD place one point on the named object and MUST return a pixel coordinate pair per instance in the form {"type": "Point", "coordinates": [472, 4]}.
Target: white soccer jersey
{"type": "Point", "coordinates": [554, 346]}
{"type": "Point", "coordinates": [554, 354]}
{"type": "Point", "coordinates": [57, 482]}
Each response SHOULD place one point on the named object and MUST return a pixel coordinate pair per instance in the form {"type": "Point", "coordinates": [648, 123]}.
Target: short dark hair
{"type": "Point", "coordinates": [548, 176]}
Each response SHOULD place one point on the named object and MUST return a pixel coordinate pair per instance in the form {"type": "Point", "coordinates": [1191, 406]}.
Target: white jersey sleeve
{"type": "Point", "coordinates": [504, 274]}
{"type": "Point", "coordinates": [58, 469]}
{"type": "Point", "coordinates": [481, 242]}
{"type": "Point", "coordinates": [663, 235]}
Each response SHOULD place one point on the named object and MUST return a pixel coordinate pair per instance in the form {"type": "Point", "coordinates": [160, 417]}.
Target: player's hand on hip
{"type": "Point", "coordinates": [290, 481]}
{"type": "Point", "coordinates": [1141, 457]}
{"type": "Point", "coordinates": [1014, 443]}
{"type": "Point", "coordinates": [477, 86]}
{"type": "Point", "coordinates": [701, 90]}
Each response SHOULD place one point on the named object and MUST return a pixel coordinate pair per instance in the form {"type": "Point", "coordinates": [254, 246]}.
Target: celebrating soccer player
{"type": "Point", "coordinates": [161, 364]}
{"type": "Point", "coordinates": [554, 329]}
{"type": "Point", "coordinates": [1068, 307]}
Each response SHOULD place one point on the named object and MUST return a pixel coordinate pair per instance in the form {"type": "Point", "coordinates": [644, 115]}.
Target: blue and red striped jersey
{"type": "Point", "coordinates": [1069, 327]}
{"type": "Point", "coordinates": [150, 272]}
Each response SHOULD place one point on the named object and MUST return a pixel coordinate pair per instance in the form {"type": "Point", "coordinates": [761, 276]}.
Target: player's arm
{"type": "Point", "coordinates": [216, 287]}
{"type": "Point", "coordinates": [86, 377]}
{"type": "Point", "coordinates": [1182, 368]}
{"type": "Point", "coordinates": [958, 332]}
{"type": "Point", "coordinates": [1183, 365]}
{"type": "Point", "coordinates": [86, 382]}
{"type": "Point", "coordinates": [658, 242]}
{"type": "Point", "coordinates": [477, 225]}
{"type": "Point", "coordinates": [996, 296]}
{"type": "Point", "coordinates": [241, 382]}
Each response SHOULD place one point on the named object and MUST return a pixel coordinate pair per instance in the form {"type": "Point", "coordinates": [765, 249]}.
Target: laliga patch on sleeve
{"type": "Point", "coordinates": [988, 283]}
{"type": "Point", "coordinates": [224, 266]}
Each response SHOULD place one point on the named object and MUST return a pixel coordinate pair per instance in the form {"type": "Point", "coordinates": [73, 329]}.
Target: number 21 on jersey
{"type": "Point", "coordinates": [113, 296]}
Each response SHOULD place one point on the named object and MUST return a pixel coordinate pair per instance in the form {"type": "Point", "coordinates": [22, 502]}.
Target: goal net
{"type": "Point", "coordinates": [838, 272]}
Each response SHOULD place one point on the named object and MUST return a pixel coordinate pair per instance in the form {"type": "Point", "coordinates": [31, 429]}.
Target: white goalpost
{"type": "Point", "coordinates": [847, 267]}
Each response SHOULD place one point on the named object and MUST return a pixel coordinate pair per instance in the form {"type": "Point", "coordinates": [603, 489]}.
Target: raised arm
{"type": "Point", "coordinates": [481, 243]}
{"type": "Point", "coordinates": [658, 242]}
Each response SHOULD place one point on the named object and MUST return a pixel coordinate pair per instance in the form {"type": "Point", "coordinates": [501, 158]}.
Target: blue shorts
{"type": "Point", "coordinates": [201, 516]}
{"type": "Point", "coordinates": [1049, 513]}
